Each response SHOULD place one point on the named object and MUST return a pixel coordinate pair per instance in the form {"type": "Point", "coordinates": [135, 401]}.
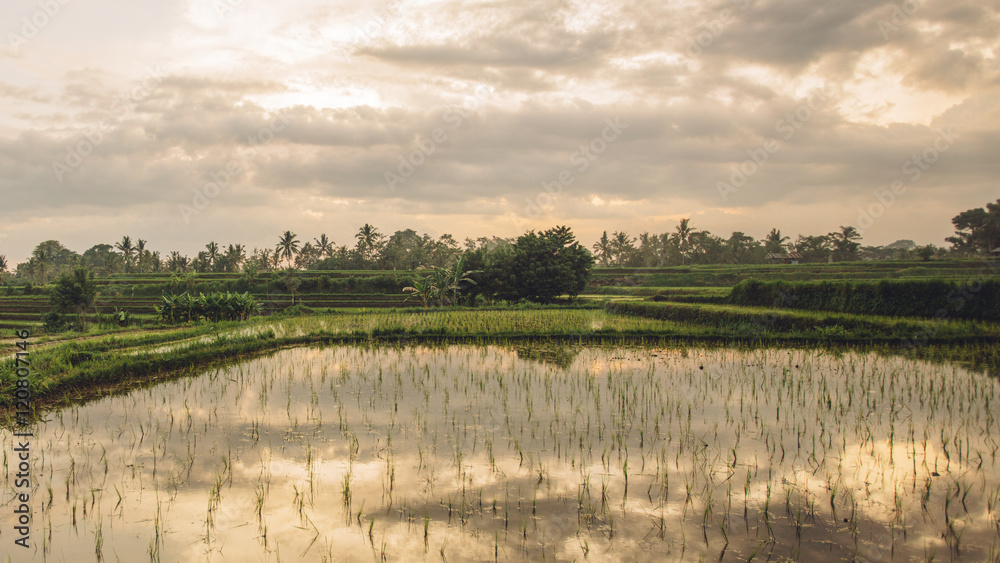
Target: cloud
{"type": "Point", "coordinates": [517, 90]}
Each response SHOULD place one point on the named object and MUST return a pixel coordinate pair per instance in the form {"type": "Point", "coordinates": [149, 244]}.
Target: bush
{"type": "Point", "coordinates": [53, 322]}
{"type": "Point", "coordinates": [213, 307]}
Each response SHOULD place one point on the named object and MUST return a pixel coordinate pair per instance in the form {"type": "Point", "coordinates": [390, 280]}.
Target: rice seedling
{"type": "Point", "coordinates": [532, 452]}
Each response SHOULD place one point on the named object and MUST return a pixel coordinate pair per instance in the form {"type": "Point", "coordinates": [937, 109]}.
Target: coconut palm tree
{"type": "Point", "coordinates": [176, 262]}
{"type": "Point", "coordinates": [622, 247]}
{"type": "Point", "coordinates": [602, 249]}
{"type": "Point", "coordinates": [39, 258]}
{"type": "Point", "coordinates": [324, 245]}
{"type": "Point", "coordinates": [774, 242]}
{"type": "Point", "coordinates": [844, 243]}
{"type": "Point", "coordinates": [682, 236]}
{"type": "Point", "coordinates": [126, 248]}
{"type": "Point", "coordinates": [3, 268]}
{"type": "Point", "coordinates": [234, 257]}
{"type": "Point", "coordinates": [368, 240]}
{"type": "Point", "coordinates": [213, 252]}
{"type": "Point", "coordinates": [266, 258]}
{"type": "Point", "coordinates": [288, 246]}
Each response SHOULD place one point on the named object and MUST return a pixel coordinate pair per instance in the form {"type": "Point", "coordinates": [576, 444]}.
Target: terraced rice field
{"type": "Point", "coordinates": [527, 452]}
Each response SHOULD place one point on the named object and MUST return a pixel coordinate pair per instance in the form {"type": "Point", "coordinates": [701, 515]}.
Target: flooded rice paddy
{"type": "Point", "coordinates": [480, 453]}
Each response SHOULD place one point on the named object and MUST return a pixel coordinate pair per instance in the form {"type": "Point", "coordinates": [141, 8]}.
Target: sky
{"type": "Point", "coordinates": [191, 121]}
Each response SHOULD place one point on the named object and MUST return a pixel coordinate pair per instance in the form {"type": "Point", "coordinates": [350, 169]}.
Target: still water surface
{"type": "Point", "coordinates": [478, 453]}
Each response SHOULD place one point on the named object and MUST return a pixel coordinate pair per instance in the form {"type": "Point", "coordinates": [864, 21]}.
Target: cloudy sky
{"type": "Point", "coordinates": [187, 121]}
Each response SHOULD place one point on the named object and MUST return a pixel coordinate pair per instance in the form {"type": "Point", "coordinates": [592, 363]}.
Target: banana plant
{"type": "Point", "coordinates": [423, 289]}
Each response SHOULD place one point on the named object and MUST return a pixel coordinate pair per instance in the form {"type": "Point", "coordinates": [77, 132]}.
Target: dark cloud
{"type": "Point", "coordinates": [519, 91]}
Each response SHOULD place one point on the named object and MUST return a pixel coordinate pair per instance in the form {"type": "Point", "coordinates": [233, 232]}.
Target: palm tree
{"type": "Point", "coordinates": [774, 242]}
{"type": "Point", "coordinates": [844, 243]}
{"type": "Point", "coordinates": [3, 268]}
{"type": "Point", "coordinates": [140, 254]}
{"type": "Point", "coordinates": [126, 248]}
{"type": "Point", "coordinates": [684, 233]}
{"type": "Point", "coordinates": [288, 246]}
{"type": "Point", "coordinates": [368, 239]}
{"type": "Point", "coordinates": [265, 258]}
{"type": "Point", "coordinates": [39, 257]}
{"type": "Point", "coordinates": [622, 247]}
{"type": "Point", "coordinates": [324, 245]}
{"type": "Point", "coordinates": [213, 252]}
{"type": "Point", "coordinates": [234, 257]}
{"type": "Point", "coordinates": [154, 261]}
{"type": "Point", "coordinates": [602, 249]}
{"type": "Point", "coordinates": [176, 262]}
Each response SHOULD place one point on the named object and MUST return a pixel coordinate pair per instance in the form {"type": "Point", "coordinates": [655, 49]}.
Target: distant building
{"type": "Point", "coordinates": [784, 258]}
{"type": "Point", "coordinates": [995, 251]}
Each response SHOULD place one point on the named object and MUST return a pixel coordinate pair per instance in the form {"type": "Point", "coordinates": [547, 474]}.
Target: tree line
{"type": "Point", "coordinates": [977, 231]}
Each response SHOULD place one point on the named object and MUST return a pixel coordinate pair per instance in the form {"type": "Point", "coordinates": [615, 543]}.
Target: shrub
{"type": "Point", "coordinates": [213, 307]}
{"type": "Point", "coordinates": [53, 322]}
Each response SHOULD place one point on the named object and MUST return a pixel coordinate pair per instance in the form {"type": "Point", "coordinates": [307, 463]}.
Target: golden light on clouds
{"type": "Point", "coordinates": [699, 83]}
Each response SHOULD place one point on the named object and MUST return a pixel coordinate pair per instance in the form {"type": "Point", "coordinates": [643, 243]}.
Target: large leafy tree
{"type": "Point", "coordinates": [101, 259]}
{"type": "Point", "coordinates": [977, 230]}
{"type": "Point", "coordinates": [743, 249]}
{"type": "Point", "coordinates": [542, 266]}
{"type": "Point", "coordinates": [75, 293]}
{"type": "Point", "coordinates": [813, 248]}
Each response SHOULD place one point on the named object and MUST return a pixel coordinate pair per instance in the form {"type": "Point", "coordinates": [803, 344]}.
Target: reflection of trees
{"type": "Point", "coordinates": [978, 358]}
{"type": "Point", "coordinates": [559, 355]}
{"type": "Point", "coordinates": [986, 362]}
